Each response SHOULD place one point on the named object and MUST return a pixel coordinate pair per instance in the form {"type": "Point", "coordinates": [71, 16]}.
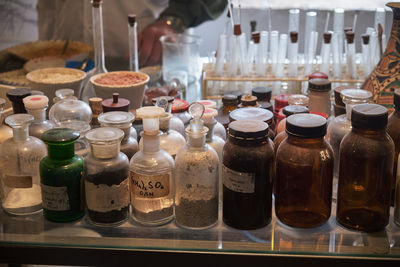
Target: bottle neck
{"type": "Point", "coordinates": [350, 104]}
{"type": "Point", "coordinates": [304, 141]}
{"type": "Point", "coordinates": [38, 114]}
{"type": "Point", "coordinates": [196, 140]}
{"type": "Point", "coordinates": [98, 38]}
{"type": "Point", "coordinates": [210, 133]}
{"type": "Point", "coordinates": [164, 124]}
{"type": "Point", "coordinates": [105, 151]}
{"type": "Point", "coordinates": [370, 132]}
{"type": "Point", "coordinates": [61, 151]}
{"type": "Point", "coordinates": [21, 133]}
{"type": "Point", "coordinates": [151, 143]}
{"type": "Point", "coordinates": [127, 133]}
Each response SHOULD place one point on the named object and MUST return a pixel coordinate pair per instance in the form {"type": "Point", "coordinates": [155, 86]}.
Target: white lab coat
{"type": "Point", "coordinates": [72, 19]}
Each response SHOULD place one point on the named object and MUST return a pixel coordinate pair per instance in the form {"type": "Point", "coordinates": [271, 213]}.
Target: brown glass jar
{"type": "Point", "coordinates": [304, 171]}
{"type": "Point", "coordinates": [248, 101]}
{"type": "Point", "coordinates": [229, 103]}
{"type": "Point", "coordinates": [365, 170]}
{"type": "Point", "coordinates": [247, 175]}
{"type": "Point", "coordinates": [263, 95]}
{"type": "Point", "coordinates": [393, 129]}
{"type": "Point", "coordinates": [255, 114]}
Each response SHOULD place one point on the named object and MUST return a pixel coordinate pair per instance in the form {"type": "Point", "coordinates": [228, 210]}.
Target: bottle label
{"type": "Point", "coordinates": [55, 198]}
{"type": "Point", "coordinates": [105, 198]}
{"type": "Point", "coordinates": [242, 182]}
{"type": "Point", "coordinates": [150, 186]}
{"type": "Point", "coordinates": [17, 181]}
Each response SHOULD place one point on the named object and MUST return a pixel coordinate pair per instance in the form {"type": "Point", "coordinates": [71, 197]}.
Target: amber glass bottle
{"type": "Point", "coordinates": [229, 103]}
{"type": "Point", "coordinates": [393, 129]}
{"type": "Point", "coordinates": [304, 170]}
{"type": "Point", "coordinates": [365, 170]}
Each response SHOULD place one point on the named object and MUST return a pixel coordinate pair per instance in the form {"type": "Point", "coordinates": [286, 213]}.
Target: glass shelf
{"type": "Point", "coordinates": [330, 240]}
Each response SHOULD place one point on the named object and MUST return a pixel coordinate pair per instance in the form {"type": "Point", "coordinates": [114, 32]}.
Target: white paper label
{"type": "Point", "coordinates": [242, 182]}
{"type": "Point", "coordinates": [105, 198]}
{"type": "Point", "coordinates": [150, 186]}
{"type": "Point", "coordinates": [55, 198]}
{"type": "Point", "coordinates": [17, 181]}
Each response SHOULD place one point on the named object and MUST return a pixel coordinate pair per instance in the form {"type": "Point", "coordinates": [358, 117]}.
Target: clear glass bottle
{"type": "Point", "coordinates": [106, 175]}
{"type": "Point", "coordinates": [16, 97]}
{"type": "Point", "coordinates": [247, 175]}
{"type": "Point", "coordinates": [229, 103]}
{"type": "Point", "coordinates": [393, 130]}
{"type": "Point", "coordinates": [152, 186]}
{"type": "Point", "coordinates": [341, 125]}
{"type": "Point", "coordinates": [36, 105]}
{"type": "Point", "coordinates": [5, 131]}
{"type": "Point", "coordinates": [61, 177]}
{"type": "Point", "coordinates": [196, 177]}
{"type": "Point", "coordinates": [219, 129]}
{"type": "Point", "coordinates": [97, 109]}
{"type": "Point", "coordinates": [98, 41]}
{"type": "Point", "coordinates": [62, 94]}
{"type": "Point", "coordinates": [175, 123]}
{"type": "Point", "coordinates": [304, 169]}
{"type": "Point", "coordinates": [319, 93]}
{"type": "Point", "coordinates": [122, 120]}
{"type": "Point", "coordinates": [365, 171]}
{"type": "Point", "coordinates": [180, 110]}
{"type": "Point", "coordinates": [19, 159]}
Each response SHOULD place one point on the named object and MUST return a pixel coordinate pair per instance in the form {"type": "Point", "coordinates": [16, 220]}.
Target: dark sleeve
{"type": "Point", "coordinates": [194, 12]}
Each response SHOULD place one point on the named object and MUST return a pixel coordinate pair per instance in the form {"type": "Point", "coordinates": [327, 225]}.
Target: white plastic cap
{"type": "Point", "coordinates": [208, 103]}
{"type": "Point", "coordinates": [36, 101]}
{"type": "Point", "coordinates": [150, 117]}
{"type": "Point", "coordinates": [209, 114]}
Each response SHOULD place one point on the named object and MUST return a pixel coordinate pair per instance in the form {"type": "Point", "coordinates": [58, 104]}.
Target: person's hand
{"type": "Point", "coordinates": [149, 44]}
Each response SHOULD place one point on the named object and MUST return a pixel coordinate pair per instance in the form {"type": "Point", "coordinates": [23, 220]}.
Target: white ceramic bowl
{"type": "Point", "coordinates": [134, 92]}
{"type": "Point", "coordinates": [49, 80]}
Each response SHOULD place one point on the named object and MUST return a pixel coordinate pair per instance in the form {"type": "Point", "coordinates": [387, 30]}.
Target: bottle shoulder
{"type": "Point", "coordinates": [159, 161]}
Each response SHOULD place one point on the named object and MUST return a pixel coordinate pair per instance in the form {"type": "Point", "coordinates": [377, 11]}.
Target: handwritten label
{"type": "Point", "coordinates": [55, 198]}
{"type": "Point", "coordinates": [241, 182]}
{"type": "Point", "coordinates": [150, 186]}
{"type": "Point", "coordinates": [105, 198]}
{"type": "Point", "coordinates": [17, 181]}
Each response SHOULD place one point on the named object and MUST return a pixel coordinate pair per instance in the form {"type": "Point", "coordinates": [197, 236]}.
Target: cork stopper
{"type": "Point", "coordinates": [96, 3]}
{"type": "Point", "coordinates": [237, 30]}
{"type": "Point", "coordinates": [347, 29]}
{"type": "Point", "coordinates": [327, 37]}
{"type": "Point", "coordinates": [365, 38]}
{"type": "Point", "coordinates": [132, 19]}
{"type": "Point", "coordinates": [256, 37]}
{"type": "Point", "coordinates": [249, 100]}
{"type": "Point", "coordinates": [95, 105]}
{"type": "Point", "coordinates": [350, 37]}
{"type": "Point", "coordinates": [294, 37]}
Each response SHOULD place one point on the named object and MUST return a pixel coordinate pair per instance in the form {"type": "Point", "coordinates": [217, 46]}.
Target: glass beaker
{"type": "Point", "coordinates": [181, 52]}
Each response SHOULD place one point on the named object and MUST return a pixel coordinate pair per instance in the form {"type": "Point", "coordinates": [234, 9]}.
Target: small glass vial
{"type": "Point", "coordinates": [263, 95]}
{"type": "Point", "coordinates": [319, 93]}
{"type": "Point", "coordinates": [36, 105]}
{"type": "Point", "coordinates": [19, 159]}
{"type": "Point", "coordinates": [5, 131]}
{"type": "Point", "coordinates": [152, 192]}
{"type": "Point", "coordinates": [61, 177]}
{"type": "Point", "coordinates": [247, 175]}
{"type": "Point", "coordinates": [196, 177]}
{"type": "Point", "coordinates": [365, 171]}
{"type": "Point", "coordinates": [97, 109]}
{"type": "Point", "coordinates": [122, 120]}
{"type": "Point", "coordinates": [229, 103]}
{"type": "Point", "coordinates": [304, 169]}
{"type": "Point", "coordinates": [106, 175]}
{"type": "Point", "coordinates": [16, 97]}
{"type": "Point", "coordinates": [287, 111]}
{"type": "Point", "coordinates": [180, 110]}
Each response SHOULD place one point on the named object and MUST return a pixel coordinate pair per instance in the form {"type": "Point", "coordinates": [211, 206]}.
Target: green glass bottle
{"type": "Point", "coordinates": [61, 177]}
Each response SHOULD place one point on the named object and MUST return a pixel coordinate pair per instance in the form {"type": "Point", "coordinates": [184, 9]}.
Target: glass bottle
{"type": "Point", "coordinates": [304, 169]}
{"type": "Point", "coordinates": [97, 109]}
{"type": "Point", "coordinates": [16, 97]}
{"type": "Point", "coordinates": [106, 175]}
{"type": "Point", "coordinates": [175, 123]}
{"type": "Point", "coordinates": [229, 103]}
{"type": "Point", "coordinates": [247, 175]}
{"type": "Point", "coordinates": [319, 93]}
{"type": "Point", "coordinates": [393, 130]}
{"type": "Point", "coordinates": [248, 101]}
{"type": "Point", "coordinates": [365, 171]}
{"type": "Point", "coordinates": [196, 177]}
{"type": "Point", "coordinates": [263, 95]}
{"type": "Point", "coordinates": [36, 105]}
{"type": "Point", "coordinates": [61, 177]}
{"type": "Point", "coordinates": [98, 41]}
{"type": "Point", "coordinates": [152, 192]}
{"type": "Point", "coordinates": [122, 120]}
{"type": "Point", "coordinates": [297, 99]}
{"type": "Point", "coordinates": [341, 125]}
{"type": "Point", "coordinates": [5, 131]}
{"type": "Point", "coordinates": [180, 110]}
{"type": "Point", "coordinates": [287, 111]}
{"type": "Point", "coordinates": [19, 159]}
{"type": "Point", "coordinates": [62, 94]}
{"type": "Point", "coordinates": [219, 129]}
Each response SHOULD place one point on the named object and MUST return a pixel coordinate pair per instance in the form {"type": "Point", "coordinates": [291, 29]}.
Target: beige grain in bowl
{"type": "Point", "coordinates": [49, 80]}
{"type": "Point", "coordinates": [128, 84]}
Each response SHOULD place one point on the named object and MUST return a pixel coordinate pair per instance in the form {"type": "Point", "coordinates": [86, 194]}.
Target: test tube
{"type": "Point", "coordinates": [133, 47]}
{"type": "Point", "coordinates": [251, 53]}
{"type": "Point", "coordinates": [221, 52]}
{"type": "Point", "coordinates": [337, 73]}
{"type": "Point", "coordinates": [374, 49]}
{"type": "Point", "coordinates": [294, 17]}
{"type": "Point", "coordinates": [263, 53]}
{"type": "Point", "coordinates": [325, 52]}
{"type": "Point", "coordinates": [311, 26]}
{"type": "Point", "coordinates": [365, 55]}
{"type": "Point", "coordinates": [380, 18]}
{"type": "Point", "coordinates": [281, 54]}
{"type": "Point", "coordinates": [351, 53]}
{"type": "Point", "coordinates": [338, 26]}
{"type": "Point", "coordinates": [244, 65]}
{"type": "Point", "coordinates": [274, 50]}
{"type": "Point", "coordinates": [308, 67]}
{"type": "Point", "coordinates": [292, 53]}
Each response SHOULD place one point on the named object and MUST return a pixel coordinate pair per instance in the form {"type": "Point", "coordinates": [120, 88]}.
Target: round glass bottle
{"type": "Point", "coordinates": [196, 177]}
{"type": "Point", "coordinates": [152, 193]}
{"type": "Point", "coordinates": [36, 105]}
{"type": "Point", "coordinates": [19, 159]}
{"type": "Point", "coordinates": [5, 131]}
{"type": "Point", "coordinates": [304, 169]}
{"type": "Point", "coordinates": [122, 120]}
{"type": "Point", "coordinates": [106, 175]}
{"type": "Point", "coordinates": [61, 176]}
{"type": "Point", "coordinates": [365, 171]}
{"type": "Point", "coordinates": [247, 175]}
